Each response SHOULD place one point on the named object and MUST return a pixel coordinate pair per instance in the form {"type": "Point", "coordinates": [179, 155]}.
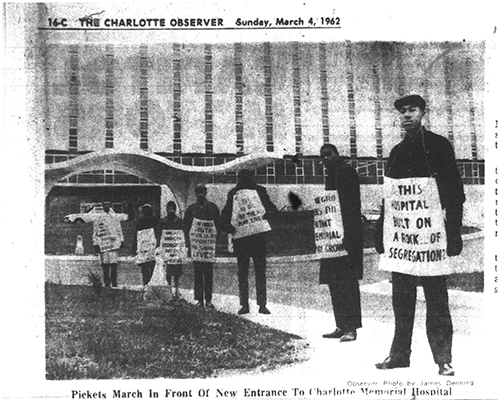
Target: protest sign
{"type": "Point", "coordinates": [173, 246]}
{"type": "Point", "coordinates": [146, 245]}
{"type": "Point", "coordinates": [328, 227]}
{"type": "Point", "coordinates": [248, 213]}
{"type": "Point", "coordinates": [108, 238]}
{"type": "Point", "coordinates": [202, 237]}
{"type": "Point", "coordinates": [109, 243]}
{"type": "Point", "coordinates": [414, 231]}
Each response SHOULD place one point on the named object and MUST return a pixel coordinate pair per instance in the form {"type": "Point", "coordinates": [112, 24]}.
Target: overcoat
{"type": "Point", "coordinates": [345, 180]}
{"type": "Point", "coordinates": [429, 155]}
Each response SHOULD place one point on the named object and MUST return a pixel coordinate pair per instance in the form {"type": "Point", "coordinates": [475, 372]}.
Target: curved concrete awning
{"type": "Point", "coordinates": [180, 178]}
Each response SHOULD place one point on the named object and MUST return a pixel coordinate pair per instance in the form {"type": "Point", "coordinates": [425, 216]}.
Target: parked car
{"type": "Point", "coordinates": [370, 215]}
{"type": "Point", "coordinates": [92, 216]}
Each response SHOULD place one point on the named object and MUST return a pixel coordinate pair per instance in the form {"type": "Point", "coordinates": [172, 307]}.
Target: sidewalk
{"type": "Point", "coordinates": [328, 357]}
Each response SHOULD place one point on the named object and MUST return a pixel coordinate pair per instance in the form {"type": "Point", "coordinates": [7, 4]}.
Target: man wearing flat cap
{"type": "Point", "coordinates": [418, 232]}
{"type": "Point", "coordinates": [245, 217]}
{"type": "Point", "coordinates": [201, 223]}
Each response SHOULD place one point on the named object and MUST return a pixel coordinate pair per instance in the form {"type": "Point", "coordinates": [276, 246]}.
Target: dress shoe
{"type": "Point", "coordinates": [392, 362]}
{"type": "Point", "coordinates": [244, 310]}
{"type": "Point", "coordinates": [349, 336]}
{"type": "Point", "coordinates": [264, 310]}
{"type": "Point", "coordinates": [446, 369]}
{"type": "Point", "coordinates": [209, 305]}
{"type": "Point", "coordinates": [336, 334]}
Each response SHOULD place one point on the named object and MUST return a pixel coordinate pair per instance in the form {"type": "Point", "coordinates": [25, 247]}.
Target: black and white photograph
{"type": "Point", "coordinates": [270, 201]}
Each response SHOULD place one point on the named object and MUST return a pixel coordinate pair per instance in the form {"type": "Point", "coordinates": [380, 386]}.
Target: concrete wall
{"type": "Point", "coordinates": [371, 196]}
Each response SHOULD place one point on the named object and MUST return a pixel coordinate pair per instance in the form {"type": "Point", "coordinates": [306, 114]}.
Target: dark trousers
{"type": "Point", "coordinates": [147, 269]}
{"type": "Point", "coordinates": [438, 321]}
{"type": "Point", "coordinates": [259, 262]}
{"type": "Point", "coordinates": [251, 247]}
{"type": "Point", "coordinates": [344, 291]}
{"type": "Point", "coordinates": [203, 281]}
{"type": "Point", "coordinates": [109, 279]}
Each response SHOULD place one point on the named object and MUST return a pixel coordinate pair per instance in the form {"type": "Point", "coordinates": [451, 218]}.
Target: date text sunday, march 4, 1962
{"type": "Point", "coordinates": [91, 22]}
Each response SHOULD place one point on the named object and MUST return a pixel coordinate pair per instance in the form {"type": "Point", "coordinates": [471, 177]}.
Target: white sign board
{"type": "Point", "coordinates": [248, 213]}
{"type": "Point", "coordinates": [328, 227]}
{"type": "Point", "coordinates": [414, 231]}
{"type": "Point", "coordinates": [109, 239]}
{"type": "Point", "coordinates": [202, 237]}
{"type": "Point", "coordinates": [173, 246]}
{"type": "Point", "coordinates": [146, 245]}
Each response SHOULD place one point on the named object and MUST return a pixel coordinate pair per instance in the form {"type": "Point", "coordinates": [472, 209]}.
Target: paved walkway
{"type": "Point", "coordinates": [329, 356]}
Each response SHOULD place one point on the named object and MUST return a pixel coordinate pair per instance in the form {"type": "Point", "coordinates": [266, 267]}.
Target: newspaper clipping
{"type": "Point", "coordinates": [373, 128]}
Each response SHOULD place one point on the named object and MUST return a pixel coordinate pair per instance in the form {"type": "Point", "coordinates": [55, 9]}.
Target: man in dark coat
{"type": "Point", "coordinates": [203, 210]}
{"type": "Point", "coordinates": [424, 154]}
{"type": "Point", "coordinates": [341, 274]}
{"type": "Point", "coordinates": [253, 246]}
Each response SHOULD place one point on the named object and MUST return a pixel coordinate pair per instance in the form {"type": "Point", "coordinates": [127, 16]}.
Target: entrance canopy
{"type": "Point", "coordinates": [181, 179]}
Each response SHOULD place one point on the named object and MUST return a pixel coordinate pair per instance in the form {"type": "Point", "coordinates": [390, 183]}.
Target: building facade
{"type": "Point", "coordinates": [205, 104]}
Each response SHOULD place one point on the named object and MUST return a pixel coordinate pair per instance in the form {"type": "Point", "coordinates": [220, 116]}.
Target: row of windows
{"type": "Point", "coordinates": [373, 76]}
{"type": "Point", "coordinates": [307, 170]}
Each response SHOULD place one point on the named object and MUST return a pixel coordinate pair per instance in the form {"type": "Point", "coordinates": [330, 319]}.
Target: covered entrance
{"type": "Point", "coordinates": [180, 179]}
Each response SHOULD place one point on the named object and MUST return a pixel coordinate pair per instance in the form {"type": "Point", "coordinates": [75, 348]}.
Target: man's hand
{"type": "Point", "coordinates": [347, 243]}
{"type": "Point", "coordinates": [453, 234]}
{"type": "Point", "coordinates": [379, 247]}
{"type": "Point", "coordinates": [97, 249]}
{"type": "Point", "coordinates": [268, 215]}
{"type": "Point", "coordinates": [455, 246]}
{"type": "Point", "coordinates": [230, 229]}
{"type": "Point", "coordinates": [379, 235]}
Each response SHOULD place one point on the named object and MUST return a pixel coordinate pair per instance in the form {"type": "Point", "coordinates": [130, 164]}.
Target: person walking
{"type": "Point", "coordinates": [418, 231]}
{"type": "Point", "coordinates": [245, 217]}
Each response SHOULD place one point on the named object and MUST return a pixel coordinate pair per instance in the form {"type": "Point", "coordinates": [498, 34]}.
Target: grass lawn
{"type": "Point", "coordinates": [470, 282]}
{"type": "Point", "coordinates": [113, 334]}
